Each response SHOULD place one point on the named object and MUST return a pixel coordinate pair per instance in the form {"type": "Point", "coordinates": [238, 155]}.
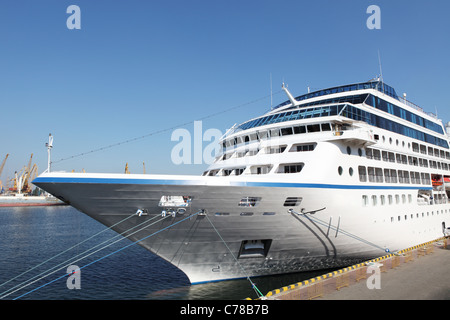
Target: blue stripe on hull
{"type": "Point", "coordinates": [232, 183]}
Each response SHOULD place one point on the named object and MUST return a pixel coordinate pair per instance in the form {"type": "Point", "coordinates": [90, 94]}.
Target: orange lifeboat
{"type": "Point", "coordinates": [437, 181]}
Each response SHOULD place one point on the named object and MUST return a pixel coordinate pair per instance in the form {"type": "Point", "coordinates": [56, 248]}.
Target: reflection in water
{"type": "Point", "coordinates": [232, 289]}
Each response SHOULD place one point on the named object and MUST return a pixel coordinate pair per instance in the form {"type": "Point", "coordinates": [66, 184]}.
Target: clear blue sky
{"type": "Point", "coordinates": [137, 67]}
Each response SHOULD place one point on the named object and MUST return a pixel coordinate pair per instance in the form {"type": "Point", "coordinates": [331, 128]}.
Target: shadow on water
{"type": "Point", "coordinates": [233, 289]}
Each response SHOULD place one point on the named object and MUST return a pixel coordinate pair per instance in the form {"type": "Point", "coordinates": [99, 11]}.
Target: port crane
{"type": "Point", "coordinates": [1, 169]}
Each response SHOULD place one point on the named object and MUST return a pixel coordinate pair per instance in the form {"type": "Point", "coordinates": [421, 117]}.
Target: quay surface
{"type": "Point", "coordinates": [418, 273]}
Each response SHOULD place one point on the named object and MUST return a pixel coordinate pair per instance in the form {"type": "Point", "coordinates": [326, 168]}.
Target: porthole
{"type": "Point", "coordinates": [340, 170]}
{"type": "Point", "coordinates": [349, 150]}
{"type": "Point", "coordinates": [350, 172]}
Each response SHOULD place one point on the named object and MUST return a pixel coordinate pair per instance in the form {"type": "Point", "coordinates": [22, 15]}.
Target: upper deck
{"type": "Point", "coordinates": [372, 102]}
{"type": "Point", "coordinates": [373, 84]}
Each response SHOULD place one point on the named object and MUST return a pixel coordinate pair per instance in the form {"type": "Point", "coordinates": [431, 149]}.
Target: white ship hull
{"type": "Point", "coordinates": [293, 243]}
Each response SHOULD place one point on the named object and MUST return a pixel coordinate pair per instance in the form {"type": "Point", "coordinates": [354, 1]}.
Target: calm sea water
{"type": "Point", "coordinates": [31, 236]}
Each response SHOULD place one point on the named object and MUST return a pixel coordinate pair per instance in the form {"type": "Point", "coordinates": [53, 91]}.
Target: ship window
{"type": "Point", "coordinates": [269, 213]}
{"type": "Point", "coordinates": [362, 174]}
{"type": "Point", "coordinates": [290, 168]}
{"type": "Point", "coordinates": [303, 147]}
{"type": "Point", "coordinates": [274, 132]}
{"type": "Point", "coordinates": [326, 127]}
{"type": "Point", "coordinates": [249, 201]}
{"type": "Point", "coordinates": [365, 200]}
{"type": "Point", "coordinates": [278, 149]}
{"type": "Point", "coordinates": [246, 214]}
{"type": "Point", "coordinates": [394, 176]}
{"type": "Point", "coordinates": [262, 135]}
{"type": "Point", "coordinates": [292, 201]}
{"type": "Point", "coordinates": [387, 175]}
{"type": "Point", "coordinates": [374, 200]}
{"type": "Point", "coordinates": [260, 169]}
{"type": "Point", "coordinates": [222, 213]}
{"type": "Point", "coordinates": [371, 171]}
{"type": "Point", "coordinates": [391, 157]}
{"type": "Point", "coordinates": [299, 129]}
{"type": "Point", "coordinates": [376, 154]}
{"type": "Point", "coordinates": [286, 131]}
{"type": "Point", "coordinates": [379, 174]}
{"type": "Point", "coordinates": [213, 172]}
{"type": "Point", "coordinates": [313, 128]}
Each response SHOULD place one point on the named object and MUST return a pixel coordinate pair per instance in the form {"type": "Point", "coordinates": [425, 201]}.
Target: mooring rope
{"type": "Point", "coordinates": [340, 230]}
{"type": "Point", "coordinates": [49, 271]}
{"type": "Point", "coordinates": [57, 255]}
{"type": "Point", "coordinates": [163, 130]}
{"type": "Point", "coordinates": [116, 251]}
{"type": "Point", "coordinates": [254, 287]}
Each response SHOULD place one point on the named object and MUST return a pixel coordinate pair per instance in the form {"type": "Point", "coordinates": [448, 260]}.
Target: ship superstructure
{"type": "Point", "coordinates": [322, 180]}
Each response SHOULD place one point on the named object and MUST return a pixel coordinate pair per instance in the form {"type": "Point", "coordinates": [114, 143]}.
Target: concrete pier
{"type": "Point", "coordinates": [417, 273]}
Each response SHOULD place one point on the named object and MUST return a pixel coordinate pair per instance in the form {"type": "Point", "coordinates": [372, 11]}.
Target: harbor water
{"type": "Point", "coordinates": [33, 240]}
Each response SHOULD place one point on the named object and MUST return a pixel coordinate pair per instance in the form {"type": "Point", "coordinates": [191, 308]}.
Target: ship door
{"type": "Point", "coordinates": [443, 228]}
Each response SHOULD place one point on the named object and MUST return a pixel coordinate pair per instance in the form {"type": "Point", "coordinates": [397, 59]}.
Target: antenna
{"type": "Point", "coordinates": [381, 69]}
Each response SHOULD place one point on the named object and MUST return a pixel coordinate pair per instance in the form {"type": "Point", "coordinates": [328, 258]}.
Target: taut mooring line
{"type": "Point", "coordinates": [110, 254]}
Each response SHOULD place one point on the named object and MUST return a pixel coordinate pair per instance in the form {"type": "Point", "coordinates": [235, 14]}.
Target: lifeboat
{"type": "Point", "coordinates": [447, 183]}
{"type": "Point", "coordinates": [436, 181]}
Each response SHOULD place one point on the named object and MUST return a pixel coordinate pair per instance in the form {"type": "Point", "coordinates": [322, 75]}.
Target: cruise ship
{"type": "Point", "coordinates": [323, 180]}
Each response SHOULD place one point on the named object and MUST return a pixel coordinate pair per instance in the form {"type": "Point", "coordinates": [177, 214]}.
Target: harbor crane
{"type": "Point", "coordinates": [1, 169]}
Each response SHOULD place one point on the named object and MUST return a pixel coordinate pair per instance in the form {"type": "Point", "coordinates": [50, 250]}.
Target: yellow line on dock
{"type": "Point", "coordinates": [314, 287]}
